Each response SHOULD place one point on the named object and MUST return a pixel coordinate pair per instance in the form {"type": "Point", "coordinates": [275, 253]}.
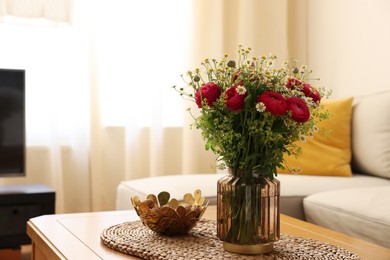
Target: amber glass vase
{"type": "Point", "coordinates": [248, 217]}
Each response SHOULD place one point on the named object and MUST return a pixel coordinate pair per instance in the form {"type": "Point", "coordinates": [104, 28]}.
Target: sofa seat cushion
{"type": "Point", "coordinates": [360, 212]}
{"type": "Point", "coordinates": [294, 188]}
{"type": "Point", "coordinates": [304, 185]}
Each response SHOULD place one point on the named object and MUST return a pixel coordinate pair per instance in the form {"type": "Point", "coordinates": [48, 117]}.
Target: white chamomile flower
{"type": "Point", "coordinates": [302, 138]}
{"type": "Point", "coordinates": [296, 92]}
{"type": "Point", "coordinates": [315, 129]}
{"type": "Point", "coordinates": [260, 106]}
{"type": "Point", "coordinates": [308, 100]}
{"type": "Point", "coordinates": [241, 90]}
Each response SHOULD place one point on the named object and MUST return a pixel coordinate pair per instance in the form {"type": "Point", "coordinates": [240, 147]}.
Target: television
{"type": "Point", "coordinates": [12, 122]}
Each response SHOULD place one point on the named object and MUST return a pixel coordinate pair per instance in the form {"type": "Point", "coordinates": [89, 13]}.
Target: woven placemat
{"type": "Point", "coordinates": [133, 238]}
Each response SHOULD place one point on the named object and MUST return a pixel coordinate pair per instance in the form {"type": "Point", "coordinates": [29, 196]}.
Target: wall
{"type": "Point", "coordinates": [349, 45]}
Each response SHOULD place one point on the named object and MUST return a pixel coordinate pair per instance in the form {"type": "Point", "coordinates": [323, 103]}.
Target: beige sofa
{"type": "Point", "coordinates": [357, 205]}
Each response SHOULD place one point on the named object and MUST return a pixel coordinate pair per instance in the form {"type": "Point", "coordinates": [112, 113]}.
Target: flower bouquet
{"type": "Point", "coordinates": [251, 113]}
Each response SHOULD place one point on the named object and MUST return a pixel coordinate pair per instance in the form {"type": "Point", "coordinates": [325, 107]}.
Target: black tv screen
{"type": "Point", "coordinates": [12, 122]}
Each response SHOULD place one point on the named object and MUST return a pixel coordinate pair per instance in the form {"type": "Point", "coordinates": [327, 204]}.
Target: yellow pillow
{"type": "Point", "coordinates": [329, 153]}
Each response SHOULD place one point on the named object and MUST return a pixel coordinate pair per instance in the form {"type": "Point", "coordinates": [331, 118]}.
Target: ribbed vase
{"type": "Point", "coordinates": [248, 217]}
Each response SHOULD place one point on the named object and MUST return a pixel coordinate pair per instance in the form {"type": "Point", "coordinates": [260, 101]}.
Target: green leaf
{"type": "Point", "coordinates": [248, 100]}
{"type": "Point", "coordinates": [208, 145]}
{"type": "Point", "coordinates": [279, 126]}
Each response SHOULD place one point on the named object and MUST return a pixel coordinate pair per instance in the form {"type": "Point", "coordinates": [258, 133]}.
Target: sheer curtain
{"type": "Point", "coordinates": [55, 57]}
{"type": "Point", "coordinates": [137, 129]}
{"type": "Point", "coordinates": [100, 107]}
{"type": "Point", "coordinates": [54, 10]}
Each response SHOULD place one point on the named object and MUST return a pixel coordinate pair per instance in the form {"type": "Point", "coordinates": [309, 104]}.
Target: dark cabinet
{"type": "Point", "coordinates": [19, 203]}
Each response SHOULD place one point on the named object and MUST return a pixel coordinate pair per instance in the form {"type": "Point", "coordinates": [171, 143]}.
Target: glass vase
{"type": "Point", "coordinates": [248, 217]}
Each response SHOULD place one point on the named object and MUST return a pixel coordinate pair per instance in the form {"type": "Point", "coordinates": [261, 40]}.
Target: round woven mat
{"type": "Point", "coordinates": [134, 238]}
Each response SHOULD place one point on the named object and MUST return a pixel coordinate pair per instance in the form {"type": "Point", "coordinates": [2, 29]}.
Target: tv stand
{"type": "Point", "coordinates": [19, 203]}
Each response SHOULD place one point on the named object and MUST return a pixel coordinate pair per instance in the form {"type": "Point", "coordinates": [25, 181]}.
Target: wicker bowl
{"type": "Point", "coordinates": [167, 216]}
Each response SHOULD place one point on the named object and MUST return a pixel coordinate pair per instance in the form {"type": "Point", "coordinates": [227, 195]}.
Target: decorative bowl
{"type": "Point", "coordinates": [169, 217]}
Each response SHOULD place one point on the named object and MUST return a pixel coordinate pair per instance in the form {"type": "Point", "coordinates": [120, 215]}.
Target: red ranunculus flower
{"type": "Point", "coordinates": [299, 110]}
{"type": "Point", "coordinates": [235, 77]}
{"type": "Point", "coordinates": [233, 100]}
{"type": "Point", "coordinates": [274, 102]}
{"type": "Point", "coordinates": [311, 92]}
{"type": "Point", "coordinates": [292, 82]}
{"type": "Point", "coordinates": [236, 74]}
{"type": "Point", "coordinates": [209, 93]}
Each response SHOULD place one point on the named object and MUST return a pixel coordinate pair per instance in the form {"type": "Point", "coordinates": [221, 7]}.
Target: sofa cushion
{"type": "Point", "coordinates": [360, 212]}
{"type": "Point", "coordinates": [294, 188]}
{"type": "Point", "coordinates": [371, 134]}
{"type": "Point", "coordinates": [330, 153]}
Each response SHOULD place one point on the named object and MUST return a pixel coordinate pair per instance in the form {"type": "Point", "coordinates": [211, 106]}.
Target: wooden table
{"type": "Point", "coordinates": [77, 236]}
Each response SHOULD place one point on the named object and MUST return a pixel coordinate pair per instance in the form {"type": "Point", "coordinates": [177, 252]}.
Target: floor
{"type": "Point", "coordinates": [14, 254]}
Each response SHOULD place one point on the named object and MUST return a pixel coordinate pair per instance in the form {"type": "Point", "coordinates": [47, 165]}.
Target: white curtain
{"type": "Point", "coordinates": [100, 107]}
{"type": "Point", "coordinates": [57, 106]}
{"type": "Point", "coordinates": [55, 10]}
{"type": "Point", "coordinates": [100, 102]}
